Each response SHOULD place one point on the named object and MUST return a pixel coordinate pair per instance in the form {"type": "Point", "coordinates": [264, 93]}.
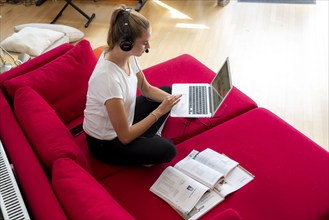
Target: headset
{"type": "Point", "coordinates": [126, 44]}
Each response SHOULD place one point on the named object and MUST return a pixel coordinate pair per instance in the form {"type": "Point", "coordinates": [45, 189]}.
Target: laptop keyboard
{"type": "Point", "coordinates": [198, 99]}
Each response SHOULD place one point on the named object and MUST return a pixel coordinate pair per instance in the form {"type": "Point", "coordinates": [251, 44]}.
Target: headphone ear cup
{"type": "Point", "coordinates": [126, 45]}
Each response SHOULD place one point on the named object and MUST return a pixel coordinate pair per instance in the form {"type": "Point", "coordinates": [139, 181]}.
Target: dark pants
{"type": "Point", "coordinates": [146, 149]}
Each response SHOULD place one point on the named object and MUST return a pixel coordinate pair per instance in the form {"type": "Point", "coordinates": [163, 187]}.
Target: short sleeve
{"type": "Point", "coordinates": [104, 88]}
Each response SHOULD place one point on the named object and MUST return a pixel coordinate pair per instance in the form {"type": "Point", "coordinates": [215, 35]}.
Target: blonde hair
{"type": "Point", "coordinates": [137, 23]}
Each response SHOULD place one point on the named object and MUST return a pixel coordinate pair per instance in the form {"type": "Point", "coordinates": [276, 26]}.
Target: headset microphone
{"type": "Point", "coordinates": [146, 50]}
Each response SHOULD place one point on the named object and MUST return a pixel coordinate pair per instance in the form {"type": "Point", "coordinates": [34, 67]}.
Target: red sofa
{"type": "Point", "coordinates": [42, 100]}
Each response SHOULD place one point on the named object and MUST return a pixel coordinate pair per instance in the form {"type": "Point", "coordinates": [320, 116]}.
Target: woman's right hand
{"type": "Point", "coordinates": [167, 104]}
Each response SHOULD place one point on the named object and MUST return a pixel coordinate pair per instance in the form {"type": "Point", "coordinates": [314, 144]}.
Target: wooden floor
{"type": "Point", "coordinates": [278, 52]}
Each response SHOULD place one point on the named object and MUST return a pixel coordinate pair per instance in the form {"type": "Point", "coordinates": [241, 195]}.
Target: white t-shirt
{"type": "Point", "coordinates": [106, 82]}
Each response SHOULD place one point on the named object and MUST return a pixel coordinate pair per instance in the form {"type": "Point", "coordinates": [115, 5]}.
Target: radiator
{"type": "Point", "coordinates": [11, 202]}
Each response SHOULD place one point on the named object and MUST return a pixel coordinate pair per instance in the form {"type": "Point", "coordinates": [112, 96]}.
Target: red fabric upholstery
{"type": "Point", "coordinates": [130, 188]}
{"type": "Point", "coordinates": [281, 158]}
{"type": "Point", "coordinates": [228, 214]}
{"type": "Point", "coordinates": [283, 161]}
{"type": "Point", "coordinates": [33, 182]}
{"type": "Point", "coordinates": [81, 195]}
{"type": "Point", "coordinates": [183, 69]}
{"type": "Point", "coordinates": [63, 82]}
{"type": "Point", "coordinates": [47, 133]}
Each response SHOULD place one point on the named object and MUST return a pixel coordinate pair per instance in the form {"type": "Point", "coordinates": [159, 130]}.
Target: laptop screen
{"type": "Point", "coordinates": [221, 85]}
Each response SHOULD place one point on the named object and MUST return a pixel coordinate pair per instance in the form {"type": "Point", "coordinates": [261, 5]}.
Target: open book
{"type": "Point", "coordinates": [199, 182]}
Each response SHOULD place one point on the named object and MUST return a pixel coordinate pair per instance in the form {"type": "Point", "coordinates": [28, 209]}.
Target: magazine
{"type": "Point", "coordinates": [199, 182]}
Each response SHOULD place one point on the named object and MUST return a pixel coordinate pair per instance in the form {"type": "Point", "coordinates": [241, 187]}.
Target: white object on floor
{"type": "Point", "coordinates": [72, 33]}
{"type": "Point", "coordinates": [32, 41]}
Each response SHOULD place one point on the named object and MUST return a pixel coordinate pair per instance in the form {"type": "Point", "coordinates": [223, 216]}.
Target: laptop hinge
{"type": "Point", "coordinates": [211, 102]}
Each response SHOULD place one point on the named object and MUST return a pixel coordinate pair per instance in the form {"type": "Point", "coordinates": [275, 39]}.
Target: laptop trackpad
{"type": "Point", "coordinates": [181, 108]}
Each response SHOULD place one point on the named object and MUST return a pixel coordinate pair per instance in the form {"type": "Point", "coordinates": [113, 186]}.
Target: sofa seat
{"type": "Point", "coordinates": [291, 172]}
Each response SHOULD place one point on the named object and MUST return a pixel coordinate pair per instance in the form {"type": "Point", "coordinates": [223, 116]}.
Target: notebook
{"type": "Point", "coordinates": [202, 100]}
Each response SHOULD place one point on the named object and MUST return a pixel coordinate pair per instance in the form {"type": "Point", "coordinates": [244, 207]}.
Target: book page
{"type": "Point", "coordinates": [217, 161]}
{"type": "Point", "coordinates": [179, 190]}
{"type": "Point", "coordinates": [234, 181]}
{"type": "Point", "coordinates": [191, 198]}
{"type": "Point", "coordinates": [209, 200]}
{"type": "Point", "coordinates": [200, 172]}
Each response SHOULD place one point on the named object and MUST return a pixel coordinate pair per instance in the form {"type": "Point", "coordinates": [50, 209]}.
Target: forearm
{"type": "Point", "coordinates": [125, 132]}
{"type": "Point", "coordinates": [155, 93]}
{"type": "Point", "coordinates": [136, 130]}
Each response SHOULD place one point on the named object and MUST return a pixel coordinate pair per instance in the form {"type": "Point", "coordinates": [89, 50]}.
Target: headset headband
{"type": "Point", "coordinates": [126, 44]}
{"type": "Point", "coordinates": [126, 21]}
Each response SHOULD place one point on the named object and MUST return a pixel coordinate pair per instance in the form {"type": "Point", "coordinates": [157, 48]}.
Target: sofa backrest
{"type": "Point", "coordinates": [63, 82]}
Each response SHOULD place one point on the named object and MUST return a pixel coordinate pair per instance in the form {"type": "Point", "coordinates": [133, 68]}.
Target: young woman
{"type": "Point", "coordinates": [120, 127]}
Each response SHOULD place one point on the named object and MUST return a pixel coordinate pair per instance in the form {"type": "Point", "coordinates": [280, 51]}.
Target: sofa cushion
{"type": "Point", "coordinates": [63, 82]}
{"type": "Point", "coordinates": [31, 40]}
{"type": "Point", "coordinates": [186, 68]}
{"type": "Point", "coordinates": [48, 135]}
{"type": "Point", "coordinates": [72, 33]}
{"type": "Point", "coordinates": [81, 195]}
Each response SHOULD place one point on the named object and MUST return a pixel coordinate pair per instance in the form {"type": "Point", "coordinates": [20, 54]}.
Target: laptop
{"type": "Point", "coordinates": [202, 100]}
